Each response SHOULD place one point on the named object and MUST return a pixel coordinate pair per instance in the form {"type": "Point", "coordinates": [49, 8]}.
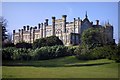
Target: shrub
{"type": "Point", "coordinates": [71, 50]}
{"type": "Point", "coordinates": [48, 41]}
{"type": "Point", "coordinates": [7, 53]}
{"type": "Point", "coordinates": [116, 54]}
{"type": "Point", "coordinates": [47, 52]}
{"type": "Point", "coordinates": [8, 44]}
{"type": "Point", "coordinates": [83, 53]}
{"type": "Point", "coordinates": [21, 54]}
{"type": "Point", "coordinates": [12, 53]}
{"type": "Point", "coordinates": [23, 45]}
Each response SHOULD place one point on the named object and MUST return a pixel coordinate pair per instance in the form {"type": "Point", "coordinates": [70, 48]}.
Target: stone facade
{"type": "Point", "coordinates": [68, 32]}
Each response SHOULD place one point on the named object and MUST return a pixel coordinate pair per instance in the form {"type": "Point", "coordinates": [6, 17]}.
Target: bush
{"type": "Point", "coordinates": [23, 45]}
{"type": "Point", "coordinates": [12, 53]}
{"type": "Point", "coordinates": [8, 44]}
{"type": "Point", "coordinates": [92, 54]}
{"type": "Point", "coordinates": [48, 41]}
{"type": "Point", "coordinates": [7, 53]}
{"type": "Point", "coordinates": [116, 54]}
{"type": "Point", "coordinates": [71, 50]}
{"type": "Point", "coordinates": [83, 54]}
{"type": "Point", "coordinates": [47, 52]}
{"type": "Point", "coordinates": [22, 54]}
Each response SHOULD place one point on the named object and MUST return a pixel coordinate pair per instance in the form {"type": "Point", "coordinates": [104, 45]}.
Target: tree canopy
{"type": "Point", "coordinates": [3, 24]}
{"type": "Point", "coordinates": [91, 37]}
{"type": "Point", "coordinates": [48, 41]}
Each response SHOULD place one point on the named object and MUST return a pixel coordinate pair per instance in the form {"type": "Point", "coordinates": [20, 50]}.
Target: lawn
{"type": "Point", "coordinates": [67, 67]}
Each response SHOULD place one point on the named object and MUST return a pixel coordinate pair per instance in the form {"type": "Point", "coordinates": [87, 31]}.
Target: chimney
{"type": "Point", "coordinates": [53, 26]}
{"type": "Point", "coordinates": [28, 27]}
{"type": "Point", "coordinates": [46, 20]}
{"type": "Point", "coordinates": [13, 31]}
{"type": "Point", "coordinates": [92, 23]}
{"type": "Point", "coordinates": [35, 27]}
{"type": "Point", "coordinates": [13, 36]}
{"type": "Point", "coordinates": [74, 25]}
{"type": "Point", "coordinates": [24, 28]}
{"type": "Point", "coordinates": [97, 22]}
{"type": "Point", "coordinates": [64, 23]}
{"type": "Point", "coordinates": [39, 26]}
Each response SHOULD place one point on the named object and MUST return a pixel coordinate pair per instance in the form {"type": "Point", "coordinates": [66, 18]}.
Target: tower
{"type": "Point", "coordinates": [41, 30]}
{"type": "Point", "coordinates": [64, 23]}
{"type": "Point", "coordinates": [86, 15]}
{"type": "Point", "coordinates": [13, 36]}
{"type": "Point", "coordinates": [46, 21]}
{"type": "Point", "coordinates": [74, 26]}
{"type": "Point", "coordinates": [53, 26]}
{"type": "Point", "coordinates": [44, 29]}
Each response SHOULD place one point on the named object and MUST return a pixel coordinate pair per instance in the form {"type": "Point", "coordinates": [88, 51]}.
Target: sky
{"type": "Point", "coordinates": [19, 14]}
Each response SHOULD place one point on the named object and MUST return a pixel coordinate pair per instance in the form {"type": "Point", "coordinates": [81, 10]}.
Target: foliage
{"type": "Point", "coordinates": [8, 44]}
{"type": "Point", "coordinates": [53, 40]}
{"type": "Point", "coordinates": [49, 52]}
{"type": "Point", "coordinates": [42, 53]}
{"type": "Point", "coordinates": [48, 41]}
{"type": "Point", "coordinates": [83, 54]}
{"type": "Point", "coordinates": [3, 24]}
{"type": "Point", "coordinates": [7, 53]}
{"type": "Point", "coordinates": [12, 53]}
{"type": "Point", "coordinates": [21, 54]}
{"type": "Point", "coordinates": [23, 45]}
{"type": "Point", "coordinates": [91, 37]}
{"type": "Point", "coordinates": [116, 55]}
{"type": "Point", "coordinates": [71, 49]}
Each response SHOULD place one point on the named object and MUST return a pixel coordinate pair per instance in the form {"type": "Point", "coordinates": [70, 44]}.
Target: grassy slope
{"type": "Point", "coordinates": [67, 67]}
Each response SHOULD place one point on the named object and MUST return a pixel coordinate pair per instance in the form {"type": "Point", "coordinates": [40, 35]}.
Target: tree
{"type": "Point", "coordinates": [48, 41]}
{"type": "Point", "coordinates": [23, 45]}
{"type": "Point", "coordinates": [53, 40]}
{"type": "Point", "coordinates": [3, 24]}
{"type": "Point", "coordinates": [91, 37]}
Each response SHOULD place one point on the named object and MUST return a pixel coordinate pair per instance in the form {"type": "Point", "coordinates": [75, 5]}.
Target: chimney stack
{"type": "Point", "coordinates": [97, 22]}
{"type": "Point", "coordinates": [35, 27]}
{"type": "Point", "coordinates": [28, 27]}
{"type": "Point", "coordinates": [46, 20]}
{"type": "Point", "coordinates": [64, 23]}
{"type": "Point", "coordinates": [24, 28]}
{"type": "Point", "coordinates": [74, 25]}
{"type": "Point", "coordinates": [53, 26]}
{"type": "Point", "coordinates": [39, 26]}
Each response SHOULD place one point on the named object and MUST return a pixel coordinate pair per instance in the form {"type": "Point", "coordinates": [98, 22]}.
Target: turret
{"type": "Point", "coordinates": [19, 35]}
{"type": "Point", "coordinates": [41, 30]}
{"type": "Point", "coordinates": [27, 27]}
{"type": "Point", "coordinates": [44, 29]}
{"type": "Point", "coordinates": [53, 26]}
{"type": "Point", "coordinates": [30, 34]}
{"type": "Point", "coordinates": [13, 36]}
{"type": "Point", "coordinates": [78, 24]}
{"type": "Point", "coordinates": [64, 23]}
{"type": "Point", "coordinates": [22, 35]}
{"type": "Point", "coordinates": [39, 26]}
{"type": "Point", "coordinates": [97, 22]}
{"type": "Point", "coordinates": [24, 28]}
{"type": "Point", "coordinates": [74, 26]}
{"type": "Point", "coordinates": [46, 20]}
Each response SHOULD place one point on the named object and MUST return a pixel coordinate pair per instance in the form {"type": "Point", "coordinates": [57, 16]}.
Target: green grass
{"type": "Point", "coordinates": [67, 67]}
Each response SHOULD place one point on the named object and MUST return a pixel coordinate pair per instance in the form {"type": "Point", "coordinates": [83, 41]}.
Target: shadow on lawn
{"type": "Point", "coordinates": [57, 65]}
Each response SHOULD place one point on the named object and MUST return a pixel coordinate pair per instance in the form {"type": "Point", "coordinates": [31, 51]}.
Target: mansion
{"type": "Point", "coordinates": [68, 32]}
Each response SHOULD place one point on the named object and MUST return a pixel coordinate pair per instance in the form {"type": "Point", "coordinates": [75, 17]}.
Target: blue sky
{"type": "Point", "coordinates": [19, 14]}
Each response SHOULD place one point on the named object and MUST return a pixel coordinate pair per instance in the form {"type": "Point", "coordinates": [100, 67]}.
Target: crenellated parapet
{"type": "Point", "coordinates": [68, 32]}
